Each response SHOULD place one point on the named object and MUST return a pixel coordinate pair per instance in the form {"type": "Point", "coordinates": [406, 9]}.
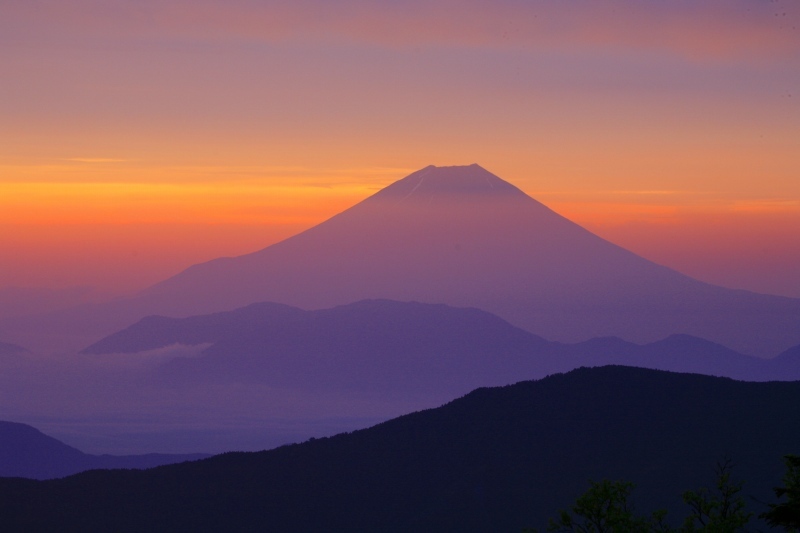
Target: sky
{"type": "Point", "coordinates": [138, 137]}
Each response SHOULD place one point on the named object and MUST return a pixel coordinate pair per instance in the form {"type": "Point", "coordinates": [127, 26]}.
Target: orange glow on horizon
{"type": "Point", "coordinates": [144, 137]}
{"type": "Point", "coordinates": [126, 236]}
{"type": "Point", "coordinates": [146, 203]}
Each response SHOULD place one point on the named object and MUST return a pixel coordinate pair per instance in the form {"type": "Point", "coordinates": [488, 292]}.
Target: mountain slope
{"type": "Point", "coordinates": [495, 460]}
{"type": "Point", "coordinates": [463, 237]}
{"type": "Point", "coordinates": [27, 452]}
{"type": "Point", "coordinates": [388, 347]}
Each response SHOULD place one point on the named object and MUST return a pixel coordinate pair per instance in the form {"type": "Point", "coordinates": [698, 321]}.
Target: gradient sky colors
{"type": "Point", "coordinates": [137, 138]}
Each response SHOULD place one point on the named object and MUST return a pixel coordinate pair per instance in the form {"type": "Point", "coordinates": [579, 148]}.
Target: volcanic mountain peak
{"type": "Point", "coordinates": [464, 237]}
{"type": "Point", "coordinates": [452, 181]}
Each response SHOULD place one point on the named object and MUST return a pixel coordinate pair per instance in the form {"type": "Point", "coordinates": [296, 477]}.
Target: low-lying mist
{"type": "Point", "coordinates": [126, 404]}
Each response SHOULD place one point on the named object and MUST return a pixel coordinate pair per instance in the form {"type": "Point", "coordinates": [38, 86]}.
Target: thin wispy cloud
{"type": "Point", "coordinates": [96, 160]}
{"type": "Point", "coordinates": [654, 192]}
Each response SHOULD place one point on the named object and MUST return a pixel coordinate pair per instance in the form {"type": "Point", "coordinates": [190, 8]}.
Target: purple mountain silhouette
{"type": "Point", "coordinates": [463, 237]}
{"type": "Point", "coordinates": [27, 452]}
{"type": "Point", "coordinates": [11, 349]}
{"type": "Point", "coordinates": [385, 346]}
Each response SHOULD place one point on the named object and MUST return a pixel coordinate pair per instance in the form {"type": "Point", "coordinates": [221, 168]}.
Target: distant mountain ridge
{"type": "Point", "coordinates": [383, 345]}
{"type": "Point", "coordinates": [11, 349]}
{"type": "Point", "coordinates": [464, 237]}
{"type": "Point", "coordinates": [497, 459]}
{"type": "Point", "coordinates": [29, 453]}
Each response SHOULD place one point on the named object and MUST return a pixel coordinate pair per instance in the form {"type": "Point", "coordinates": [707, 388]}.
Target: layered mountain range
{"type": "Point", "coordinates": [383, 346]}
{"type": "Point", "coordinates": [459, 236]}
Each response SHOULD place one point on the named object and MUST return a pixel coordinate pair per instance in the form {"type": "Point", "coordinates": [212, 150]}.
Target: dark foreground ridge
{"type": "Point", "coordinates": [498, 459]}
{"type": "Point", "coordinates": [27, 452]}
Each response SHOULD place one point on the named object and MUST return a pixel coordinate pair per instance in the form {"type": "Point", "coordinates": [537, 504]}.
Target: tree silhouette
{"type": "Point", "coordinates": [787, 514]}
{"type": "Point", "coordinates": [605, 507]}
{"type": "Point", "coordinates": [722, 510]}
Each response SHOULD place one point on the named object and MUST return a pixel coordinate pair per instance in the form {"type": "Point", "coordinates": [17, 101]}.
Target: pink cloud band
{"type": "Point", "coordinates": [698, 29]}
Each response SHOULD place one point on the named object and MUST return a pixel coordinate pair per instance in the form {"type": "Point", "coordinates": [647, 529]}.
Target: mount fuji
{"type": "Point", "coordinates": [464, 237]}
